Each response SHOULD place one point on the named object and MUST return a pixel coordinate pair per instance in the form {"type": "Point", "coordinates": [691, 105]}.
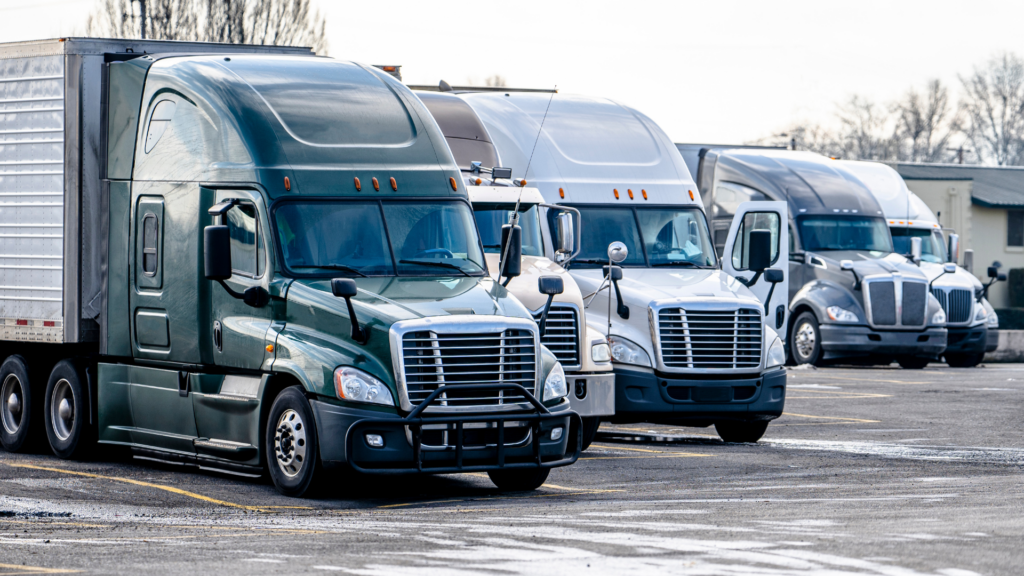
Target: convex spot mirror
{"type": "Point", "coordinates": [949, 268]}
{"type": "Point", "coordinates": [774, 275]}
{"type": "Point", "coordinates": [550, 285]}
{"type": "Point", "coordinates": [760, 250]}
{"type": "Point", "coordinates": [846, 264]}
{"type": "Point", "coordinates": [617, 252]}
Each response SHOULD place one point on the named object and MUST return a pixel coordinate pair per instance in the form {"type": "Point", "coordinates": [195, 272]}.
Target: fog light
{"type": "Point", "coordinates": [375, 440]}
{"type": "Point", "coordinates": [556, 434]}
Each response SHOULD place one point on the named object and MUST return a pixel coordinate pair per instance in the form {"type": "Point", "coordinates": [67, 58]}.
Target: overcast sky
{"type": "Point", "coordinates": [714, 72]}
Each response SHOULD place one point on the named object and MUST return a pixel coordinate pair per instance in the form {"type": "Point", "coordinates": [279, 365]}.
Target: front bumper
{"type": "Point", "coordinates": [839, 341]}
{"type": "Point", "coordinates": [642, 396]}
{"type": "Point", "coordinates": [445, 443]}
{"type": "Point", "coordinates": [992, 340]}
{"type": "Point", "coordinates": [967, 340]}
{"type": "Point", "coordinates": [592, 394]}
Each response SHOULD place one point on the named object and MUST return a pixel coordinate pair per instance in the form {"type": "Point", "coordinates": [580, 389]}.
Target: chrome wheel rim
{"type": "Point", "coordinates": [13, 397]}
{"type": "Point", "coordinates": [805, 340]}
{"type": "Point", "coordinates": [62, 410]}
{"type": "Point", "coordinates": [290, 443]}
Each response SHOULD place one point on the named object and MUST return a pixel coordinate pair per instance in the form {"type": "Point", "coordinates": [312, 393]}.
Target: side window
{"type": "Point", "coordinates": [792, 240]}
{"type": "Point", "coordinates": [158, 122]}
{"type": "Point", "coordinates": [1015, 228]}
{"type": "Point", "coordinates": [729, 195]}
{"type": "Point", "coordinates": [150, 246]}
{"type": "Point", "coordinates": [754, 221]}
{"type": "Point", "coordinates": [247, 253]}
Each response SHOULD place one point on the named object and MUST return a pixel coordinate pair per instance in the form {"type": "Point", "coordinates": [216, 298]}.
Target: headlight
{"type": "Point", "coordinates": [939, 317]}
{"type": "Point", "coordinates": [628, 352]}
{"type": "Point", "coordinates": [776, 354]}
{"type": "Point", "coordinates": [554, 384]}
{"type": "Point", "coordinates": [993, 320]}
{"type": "Point", "coordinates": [358, 386]}
{"type": "Point", "coordinates": [841, 314]}
{"type": "Point", "coordinates": [601, 352]}
{"type": "Point", "coordinates": [979, 313]}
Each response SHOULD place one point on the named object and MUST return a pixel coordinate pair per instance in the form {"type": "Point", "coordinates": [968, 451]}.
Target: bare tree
{"type": "Point", "coordinates": [275, 22]}
{"type": "Point", "coordinates": [496, 80]}
{"type": "Point", "coordinates": [926, 125]}
{"type": "Point", "coordinates": [867, 131]}
{"type": "Point", "coordinates": [994, 107]}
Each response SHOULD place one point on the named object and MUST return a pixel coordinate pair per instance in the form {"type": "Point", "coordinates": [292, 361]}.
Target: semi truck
{"type": "Point", "coordinates": [253, 260]}
{"type": "Point", "coordinates": [851, 296]}
{"type": "Point", "coordinates": [581, 348]}
{"type": "Point", "coordinates": [693, 338]}
{"type": "Point", "coordinates": [972, 325]}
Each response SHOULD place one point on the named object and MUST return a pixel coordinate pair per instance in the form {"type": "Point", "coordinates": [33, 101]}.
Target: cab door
{"type": "Point", "coordinates": [773, 217]}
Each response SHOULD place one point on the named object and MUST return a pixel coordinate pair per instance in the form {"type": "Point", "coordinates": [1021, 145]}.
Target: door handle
{"type": "Point", "coordinates": [218, 336]}
{"type": "Point", "coordinates": [183, 383]}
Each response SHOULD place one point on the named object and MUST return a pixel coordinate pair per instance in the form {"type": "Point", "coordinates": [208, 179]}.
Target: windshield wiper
{"type": "Point", "coordinates": [340, 267]}
{"type": "Point", "coordinates": [680, 263]}
{"type": "Point", "coordinates": [438, 264]}
{"type": "Point", "coordinates": [492, 245]}
{"type": "Point", "coordinates": [589, 261]}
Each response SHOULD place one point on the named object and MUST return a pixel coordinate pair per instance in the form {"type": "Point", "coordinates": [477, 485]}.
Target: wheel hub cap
{"type": "Point", "coordinates": [11, 408]}
{"type": "Point", "coordinates": [805, 340]}
{"type": "Point", "coordinates": [290, 443]}
{"type": "Point", "coordinates": [62, 410]}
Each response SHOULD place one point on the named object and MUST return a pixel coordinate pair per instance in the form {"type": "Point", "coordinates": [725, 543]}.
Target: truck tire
{"type": "Point", "coordinates": [964, 360]}
{"type": "Point", "coordinates": [912, 362]}
{"type": "Point", "coordinates": [18, 414]}
{"type": "Point", "coordinates": [291, 445]}
{"type": "Point", "coordinates": [66, 411]}
{"type": "Point", "coordinates": [520, 480]}
{"type": "Point", "coordinates": [805, 340]}
{"type": "Point", "coordinates": [733, 431]}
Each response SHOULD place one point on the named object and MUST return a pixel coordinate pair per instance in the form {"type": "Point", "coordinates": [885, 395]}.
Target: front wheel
{"type": "Point", "coordinates": [964, 360]}
{"type": "Point", "coordinates": [732, 431]}
{"type": "Point", "coordinates": [66, 414]}
{"type": "Point", "coordinates": [519, 480]}
{"type": "Point", "coordinates": [805, 339]}
{"type": "Point", "coordinates": [291, 443]}
{"type": "Point", "coordinates": [913, 362]}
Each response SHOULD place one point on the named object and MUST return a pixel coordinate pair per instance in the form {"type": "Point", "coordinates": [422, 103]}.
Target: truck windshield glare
{"type": "Point", "coordinates": [654, 236]}
{"type": "Point", "coordinates": [821, 233]}
{"type": "Point", "coordinates": [490, 218]}
{"type": "Point", "coordinates": [933, 249]}
{"type": "Point", "coordinates": [434, 238]}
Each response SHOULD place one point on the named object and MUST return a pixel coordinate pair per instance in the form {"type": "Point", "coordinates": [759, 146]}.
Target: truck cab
{"type": "Point", "coordinates": [691, 343]}
{"type": "Point", "coordinates": [851, 296]}
{"type": "Point", "coordinates": [581, 348]}
{"type": "Point", "coordinates": [971, 322]}
{"type": "Point", "coordinates": [293, 281]}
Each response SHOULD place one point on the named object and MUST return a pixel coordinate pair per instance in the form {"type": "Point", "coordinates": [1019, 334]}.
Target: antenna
{"type": "Point", "coordinates": [515, 211]}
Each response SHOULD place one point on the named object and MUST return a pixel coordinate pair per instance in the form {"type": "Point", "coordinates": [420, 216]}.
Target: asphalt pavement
{"type": "Point", "coordinates": [870, 471]}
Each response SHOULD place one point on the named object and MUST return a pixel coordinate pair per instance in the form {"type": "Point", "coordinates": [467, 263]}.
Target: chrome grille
{"type": "Point", "coordinates": [956, 302]}
{"type": "Point", "coordinates": [710, 339]}
{"type": "Point", "coordinates": [432, 359]}
{"type": "Point", "coordinates": [561, 334]}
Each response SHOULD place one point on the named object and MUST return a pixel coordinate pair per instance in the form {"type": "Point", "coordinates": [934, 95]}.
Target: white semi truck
{"type": "Point", "coordinates": [971, 323]}
{"type": "Point", "coordinates": [693, 338]}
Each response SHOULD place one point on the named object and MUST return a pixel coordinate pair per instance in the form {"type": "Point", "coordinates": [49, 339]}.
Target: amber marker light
{"type": "Point", "coordinates": [394, 184]}
{"type": "Point", "coordinates": [287, 184]}
{"type": "Point", "coordinates": [270, 347]}
{"type": "Point", "coordinates": [456, 186]}
{"type": "Point", "coordinates": [616, 190]}
{"type": "Point", "coordinates": [478, 181]}
{"type": "Point", "coordinates": [376, 185]}
{"type": "Point", "coordinates": [561, 193]}
{"type": "Point", "coordinates": [644, 192]}
{"type": "Point", "coordinates": [691, 194]}
{"type": "Point", "coordinates": [359, 186]}
{"type": "Point", "coordinates": [630, 191]}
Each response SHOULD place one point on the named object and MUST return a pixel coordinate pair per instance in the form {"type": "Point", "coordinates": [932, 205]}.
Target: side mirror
{"type": "Point", "coordinates": [346, 288]}
{"type": "Point", "coordinates": [993, 272]}
{"type": "Point", "coordinates": [759, 255]}
{"type": "Point", "coordinates": [1001, 277]}
{"type": "Point", "coordinates": [566, 233]}
{"type": "Point", "coordinates": [846, 265]}
{"type": "Point", "coordinates": [513, 264]}
{"type": "Point", "coordinates": [497, 172]}
{"type": "Point", "coordinates": [969, 260]}
{"type": "Point", "coordinates": [949, 268]}
{"type": "Point", "coordinates": [617, 252]}
{"type": "Point", "coordinates": [954, 248]}
{"type": "Point", "coordinates": [614, 274]}
{"type": "Point", "coordinates": [551, 286]}
{"type": "Point", "coordinates": [217, 252]}
{"type": "Point", "coordinates": [915, 250]}
{"type": "Point", "coordinates": [774, 275]}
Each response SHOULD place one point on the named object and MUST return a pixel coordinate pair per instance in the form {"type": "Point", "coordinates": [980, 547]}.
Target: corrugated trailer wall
{"type": "Point", "coordinates": [32, 181]}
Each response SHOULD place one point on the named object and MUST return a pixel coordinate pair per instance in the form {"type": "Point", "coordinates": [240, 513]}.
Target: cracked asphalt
{"type": "Point", "coordinates": [870, 471]}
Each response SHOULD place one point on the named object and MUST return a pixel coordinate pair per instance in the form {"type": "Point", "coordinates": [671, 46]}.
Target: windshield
{"type": "Point", "coordinates": [933, 248]}
{"type": "Point", "coordinates": [821, 233]}
{"type": "Point", "coordinates": [671, 237]}
{"type": "Point", "coordinates": [491, 217]}
{"type": "Point", "coordinates": [373, 238]}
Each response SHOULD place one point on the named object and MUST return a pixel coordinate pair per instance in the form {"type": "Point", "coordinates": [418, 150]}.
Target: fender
{"type": "Point", "coordinates": [820, 294]}
{"type": "Point", "coordinates": [312, 356]}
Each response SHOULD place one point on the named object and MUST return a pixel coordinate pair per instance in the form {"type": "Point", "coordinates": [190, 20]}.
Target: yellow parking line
{"type": "Point", "coordinates": [649, 431]}
{"type": "Point", "coordinates": [141, 483]}
{"type": "Point", "coordinates": [838, 394]}
{"type": "Point", "coordinates": [21, 569]}
{"type": "Point", "coordinates": [671, 452]}
{"type": "Point", "coordinates": [832, 418]}
{"type": "Point", "coordinates": [868, 381]}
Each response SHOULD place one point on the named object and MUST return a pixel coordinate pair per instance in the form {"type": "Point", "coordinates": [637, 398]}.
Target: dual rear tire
{"type": "Point", "coordinates": [62, 408]}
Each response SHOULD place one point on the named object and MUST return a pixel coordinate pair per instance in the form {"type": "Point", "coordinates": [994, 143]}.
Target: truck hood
{"type": "Point", "coordinates": [524, 286]}
{"type": "Point", "coordinates": [645, 285]}
{"type": "Point", "coordinates": [868, 264]}
{"type": "Point", "coordinates": [961, 279]}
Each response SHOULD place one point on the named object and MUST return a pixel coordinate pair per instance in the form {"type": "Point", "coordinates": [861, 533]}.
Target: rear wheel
{"type": "Point", "coordinates": [913, 362]}
{"type": "Point", "coordinates": [519, 480]}
{"type": "Point", "coordinates": [17, 413]}
{"type": "Point", "coordinates": [732, 431]}
{"type": "Point", "coordinates": [66, 413]}
{"type": "Point", "coordinates": [805, 339]}
{"type": "Point", "coordinates": [964, 360]}
{"type": "Point", "coordinates": [291, 443]}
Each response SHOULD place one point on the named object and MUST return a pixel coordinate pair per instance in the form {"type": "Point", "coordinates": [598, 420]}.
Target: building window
{"type": "Point", "coordinates": [1015, 228]}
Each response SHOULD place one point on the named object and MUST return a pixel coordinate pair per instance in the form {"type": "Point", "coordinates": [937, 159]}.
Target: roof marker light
{"type": "Point", "coordinates": [644, 192]}
{"type": "Point", "coordinates": [630, 190]}
{"type": "Point", "coordinates": [456, 186]}
{"type": "Point", "coordinates": [394, 184]}
{"type": "Point", "coordinates": [691, 194]}
{"type": "Point", "coordinates": [910, 223]}
{"type": "Point", "coordinates": [287, 184]}
{"type": "Point", "coordinates": [561, 193]}
{"type": "Point", "coordinates": [616, 190]}
{"type": "Point", "coordinates": [359, 185]}
{"type": "Point", "coordinates": [478, 181]}
{"type": "Point", "coordinates": [376, 185]}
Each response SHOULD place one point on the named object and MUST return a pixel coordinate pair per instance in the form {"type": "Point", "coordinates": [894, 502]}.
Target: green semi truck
{"type": "Point", "coordinates": [250, 259]}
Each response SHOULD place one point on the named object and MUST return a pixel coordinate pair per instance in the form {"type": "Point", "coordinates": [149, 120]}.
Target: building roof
{"type": "Point", "coordinates": [993, 186]}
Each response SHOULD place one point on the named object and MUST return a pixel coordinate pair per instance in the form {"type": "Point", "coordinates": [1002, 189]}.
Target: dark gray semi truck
{"type": "Point", "coordinates": [851, 297]}
{"type": "Point", "coordinates": [250, 259]}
